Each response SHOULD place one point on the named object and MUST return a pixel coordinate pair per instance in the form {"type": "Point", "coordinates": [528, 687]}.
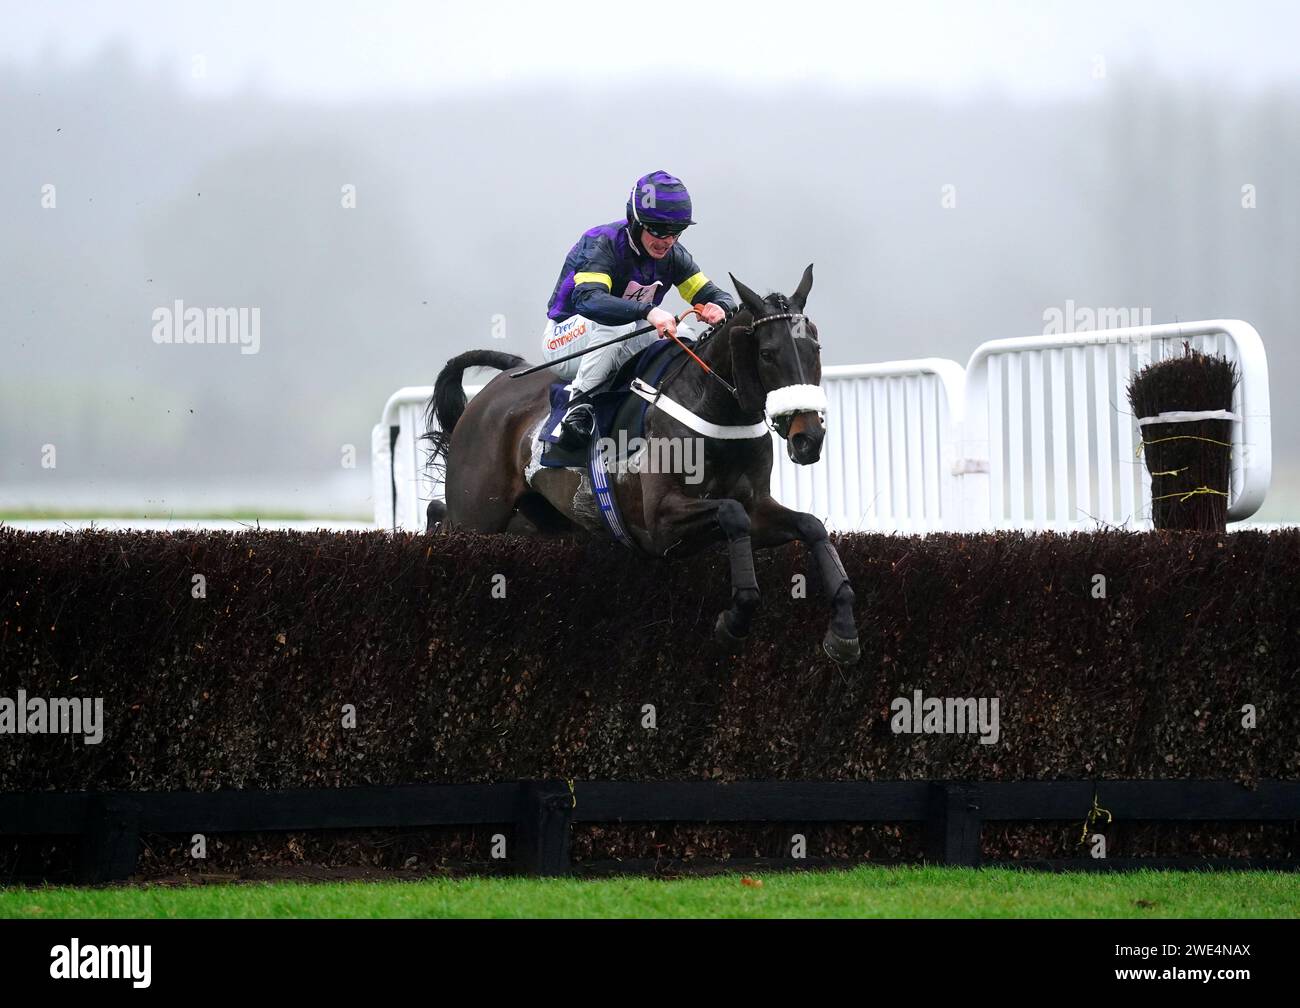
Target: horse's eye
{"type": "Point", "coordinates": [767, 356]}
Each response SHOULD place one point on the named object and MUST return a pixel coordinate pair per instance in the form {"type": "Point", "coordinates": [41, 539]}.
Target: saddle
{"type": "Point", "coordinates": [616, 408]}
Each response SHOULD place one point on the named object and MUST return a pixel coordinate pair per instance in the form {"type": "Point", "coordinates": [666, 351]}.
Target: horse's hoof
{"type": "Point", "coordinates": [841, 650]}
{"type": "Point", "coordinates": [725, 637]}
{"type": "Point", "coordinates": [434, 515]}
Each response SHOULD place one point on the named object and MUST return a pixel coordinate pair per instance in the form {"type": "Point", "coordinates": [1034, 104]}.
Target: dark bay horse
{"type": "Point", "coordinates": [769, 359]}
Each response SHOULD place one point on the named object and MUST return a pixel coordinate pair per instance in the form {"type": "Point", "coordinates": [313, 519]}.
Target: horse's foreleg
{"type": "Point", "coordinates": [773, 525]}
{"type": "Point", "coordinates": [682, 521]}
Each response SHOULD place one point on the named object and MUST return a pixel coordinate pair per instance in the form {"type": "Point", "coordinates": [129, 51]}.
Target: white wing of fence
{"type": "Point", "coordinates": [1035, 433]}
{"type": "Point", "coordinates": [1051, 414]}
{"type": "Point", "coordinates": [401, 480]}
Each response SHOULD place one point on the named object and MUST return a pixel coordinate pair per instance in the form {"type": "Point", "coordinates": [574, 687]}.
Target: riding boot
{"type": "Point", "coordinates": [578, 424]}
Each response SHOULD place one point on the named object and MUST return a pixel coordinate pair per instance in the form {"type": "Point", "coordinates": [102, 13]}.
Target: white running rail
{"type": "Point", "coordinates": [1034, 433]}
{"type": "Point", "coordinates": [887, 459]}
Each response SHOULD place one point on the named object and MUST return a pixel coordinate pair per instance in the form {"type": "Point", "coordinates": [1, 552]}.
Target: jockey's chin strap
{"type": "Point", "coordinates": [781, 406]}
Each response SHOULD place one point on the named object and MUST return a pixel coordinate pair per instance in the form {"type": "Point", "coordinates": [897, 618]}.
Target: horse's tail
{"type": "Point", "coordinates": [447, 404]}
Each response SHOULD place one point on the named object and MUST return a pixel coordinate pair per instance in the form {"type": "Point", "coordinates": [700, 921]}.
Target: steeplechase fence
{"type": "Point", "coordinates": [352, 681]}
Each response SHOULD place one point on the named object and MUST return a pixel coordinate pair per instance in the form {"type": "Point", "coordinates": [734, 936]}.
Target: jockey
{"type": "Point", "coordinates": [612, 282]}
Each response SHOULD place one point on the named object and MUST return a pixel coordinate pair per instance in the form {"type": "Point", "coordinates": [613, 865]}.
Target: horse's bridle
{"type": "Point", "coordinates": [783, 316]}
{"type": "Point", "coordinates": [781, 421]}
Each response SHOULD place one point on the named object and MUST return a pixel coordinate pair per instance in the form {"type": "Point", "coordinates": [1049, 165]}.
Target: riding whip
{"type": "Point", "coordinates": [586, 350]}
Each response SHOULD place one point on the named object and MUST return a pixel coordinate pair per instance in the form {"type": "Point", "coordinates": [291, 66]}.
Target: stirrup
{"type": "Point", "coordinates": [577, 426]}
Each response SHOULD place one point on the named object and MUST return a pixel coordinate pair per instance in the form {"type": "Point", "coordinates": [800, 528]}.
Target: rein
{"type": "Point", "coordinates": [667, 380]}
{"type": "Point", "coordinates": [708, 335]}
{"type": "Point", "coordinates": [707, 370]}
{"type": "Point", "coordinates": [779, 422]}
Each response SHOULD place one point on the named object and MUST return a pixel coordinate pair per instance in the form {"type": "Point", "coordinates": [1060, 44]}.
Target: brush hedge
{"type": "Point", "coordinates": [237, 660]}
{"type": "Point", "coordinates": [1189, 458]}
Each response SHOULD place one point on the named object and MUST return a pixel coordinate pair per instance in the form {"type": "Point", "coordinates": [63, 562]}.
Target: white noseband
{"type": "Point", "coordinates": [796, 399]}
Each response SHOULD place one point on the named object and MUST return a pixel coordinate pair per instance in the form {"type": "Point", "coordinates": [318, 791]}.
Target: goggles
{"type": "Point", "coordinates": [663, 230]}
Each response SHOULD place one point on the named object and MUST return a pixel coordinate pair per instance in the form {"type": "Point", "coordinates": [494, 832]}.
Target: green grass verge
{"type": "Point", "coordinates": [860, 892]}
{"type": "Point", "coordinates": [72, 514]}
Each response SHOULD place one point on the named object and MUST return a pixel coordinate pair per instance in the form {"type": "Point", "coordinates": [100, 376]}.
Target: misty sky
{"type": "Point", "coordinates": [1041, 49]}
{"type": "Point", "coordinates": [199, 150]}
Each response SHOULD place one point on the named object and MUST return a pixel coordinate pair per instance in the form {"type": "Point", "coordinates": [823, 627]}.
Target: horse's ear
{"type": "Point", "coordinates": [748, 298]}
{"type": "Point", "coordinates": [800, 297]}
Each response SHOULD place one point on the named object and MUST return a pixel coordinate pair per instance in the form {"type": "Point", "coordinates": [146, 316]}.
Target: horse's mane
{"type": "Point", "coordinates": [778, 301]}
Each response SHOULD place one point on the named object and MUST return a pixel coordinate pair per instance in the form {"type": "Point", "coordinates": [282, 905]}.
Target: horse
{"type": "Point", "coordinates": [765, 360]}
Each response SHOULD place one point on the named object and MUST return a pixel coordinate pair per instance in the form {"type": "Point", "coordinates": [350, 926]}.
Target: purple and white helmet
{"type": "Point", "coordinates": [659, 202]}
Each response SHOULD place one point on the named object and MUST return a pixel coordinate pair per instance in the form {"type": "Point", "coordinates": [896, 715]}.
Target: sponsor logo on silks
{"type": "Point", "coordinates": [642, 293]}
{"type": "Point", "coordinates": [562, 335]}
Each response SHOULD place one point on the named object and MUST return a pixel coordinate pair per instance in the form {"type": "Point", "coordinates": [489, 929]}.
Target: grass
{"type": "Point", "coordinates": [108, 514]}
{"type": "Point", "coordinates": [860, 892]}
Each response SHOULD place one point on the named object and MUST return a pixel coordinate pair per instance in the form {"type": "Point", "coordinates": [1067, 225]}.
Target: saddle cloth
{"type": "Point", "coordinates": [617, 409]}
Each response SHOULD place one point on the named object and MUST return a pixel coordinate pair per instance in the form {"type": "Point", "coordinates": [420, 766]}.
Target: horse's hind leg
{"type": "Point", "coordinates": [543, 517]}
{"type": "Point", "coordinates": [491, 447]}
{"type": "Point", "coordinates": [479, 501]}
{"type": "Point", "coordinates": [684, 521]}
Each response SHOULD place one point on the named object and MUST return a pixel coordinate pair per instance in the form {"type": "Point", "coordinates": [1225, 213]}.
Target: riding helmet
{"type": "Point", "coordinates": [659, 198]}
